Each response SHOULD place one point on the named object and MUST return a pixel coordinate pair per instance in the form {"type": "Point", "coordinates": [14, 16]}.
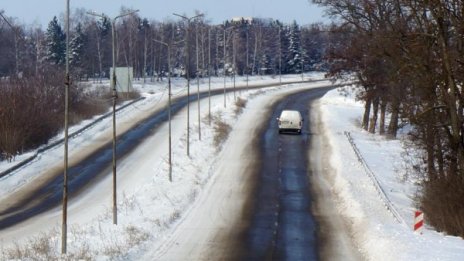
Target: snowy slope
{"type": "Point", "coordinates": [379, 234]}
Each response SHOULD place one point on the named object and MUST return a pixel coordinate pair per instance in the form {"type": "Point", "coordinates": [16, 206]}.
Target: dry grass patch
{"type": "Point", "coordinates": [443, 204]}
{"type": "Point", "coordinates": [221, 129]}
{"type": "Point", "coordinates": [240, 104]}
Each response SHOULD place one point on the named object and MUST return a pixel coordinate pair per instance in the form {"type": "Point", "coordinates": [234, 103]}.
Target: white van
{"type": "Point", "coordinates": [291, 121]}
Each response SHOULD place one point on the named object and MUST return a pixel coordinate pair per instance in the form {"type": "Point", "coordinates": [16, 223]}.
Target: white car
{"type": "Point", "coordinates": [290, 121]}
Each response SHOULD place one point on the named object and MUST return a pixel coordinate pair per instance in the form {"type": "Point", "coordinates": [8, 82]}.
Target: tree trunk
{"type": "Point", "coordinates": [393, 126]}
{"type": "Point", "coordinates": [449, 92]}
{"type": "Point", "coordinates": [439, 155]}
{"type": "Point", "coordinates": [367, 111]}
{"type": "Point", "coordinates": [255, 53]}
{"type": "Point", "coordinates": [145, 54]}
{"type": "Point", "coordinates": [375, 113]}
{"type": "Point", "coordinates": [383, 109]}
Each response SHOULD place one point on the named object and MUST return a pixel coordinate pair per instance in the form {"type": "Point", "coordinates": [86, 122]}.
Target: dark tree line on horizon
{"type": "Point", "coordinates": [256, 47]}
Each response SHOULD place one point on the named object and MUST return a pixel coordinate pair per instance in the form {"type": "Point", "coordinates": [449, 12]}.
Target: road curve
{"type": "Point", "coordinates": [259, 204]}
{"type": "Point", "coordinates": [282, 226]}
{"type": "Point", "coordinates": [93, 166]}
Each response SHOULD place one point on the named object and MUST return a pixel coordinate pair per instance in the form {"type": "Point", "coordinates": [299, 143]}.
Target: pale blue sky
{"type": "Point", "coordinates": [42, 11]}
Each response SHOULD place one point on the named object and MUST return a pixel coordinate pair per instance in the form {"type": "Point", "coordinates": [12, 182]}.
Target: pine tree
{"type": "Point", "coordinates": [56, 43]}
{"type": "Point", "coordinates": [77, 46]}
{"type": "Point", "coordinates": [103, 45]}
{"type": "Point", "coordinates": [294, 54]}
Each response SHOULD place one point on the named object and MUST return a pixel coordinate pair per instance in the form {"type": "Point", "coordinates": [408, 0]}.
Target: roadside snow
{"type": "Point", "coordinates": [379, 236]}
{"type": "Point", "coordinates": [150, 207]}
{"type": "Point", "coordinates": [148, 204]}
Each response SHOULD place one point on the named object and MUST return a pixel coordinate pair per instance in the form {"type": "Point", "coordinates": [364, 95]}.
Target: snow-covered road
{"type": "Point", "coordinates": [216, 222]}
{"type": "Point", "coordinates": [152, 209]}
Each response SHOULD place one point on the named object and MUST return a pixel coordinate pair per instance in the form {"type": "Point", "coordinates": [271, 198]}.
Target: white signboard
{"type": "Point", "coordinates": [124, 78]}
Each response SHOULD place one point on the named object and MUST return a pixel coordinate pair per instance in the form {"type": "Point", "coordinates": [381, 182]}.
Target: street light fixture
{"type": "Point", "coordinates": [115, 97]}
{"type": "Point", "coordinates": [169, 101]}
{"type": "Point", "coordinates": [188, 19]}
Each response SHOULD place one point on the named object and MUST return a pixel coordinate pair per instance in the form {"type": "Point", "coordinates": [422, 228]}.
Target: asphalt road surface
{"type": "Point", "coordinates": [88, 170]}
{"type": "Point", "coordinates": [275, 218]}
{"type": "Point", "coordinates": [266, 207]}
{"type": "Point", "coordinates": [282, 226]}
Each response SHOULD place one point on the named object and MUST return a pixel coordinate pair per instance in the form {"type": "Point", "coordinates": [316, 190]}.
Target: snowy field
{"type": "Point", "coordinates": [150, 207]}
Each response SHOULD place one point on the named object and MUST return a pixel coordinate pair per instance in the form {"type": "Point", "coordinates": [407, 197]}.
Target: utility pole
{"type": "Point", "coordinates": [233, 62]}
{"type": "Point", "coordinates": [115, 97]}
{"type": "Point", "coordinates": [209, 76]}
{"type": "Point", "coordinates": [169, 102]}
{"type": "Point", "coordinates": [302, 64]}
{"type": "Point", "coordinates": [280, 56]}
{"type": "Point", "coordinates": [198, 81]}
{"type": "Point", "coordinates": [247, 65]}
{"type": "Point", "coordinates": [224, 67]}
{"type": "Point", "coordinates": [64, 225]}
{"type": "Point", "coordinates": [188, 19]}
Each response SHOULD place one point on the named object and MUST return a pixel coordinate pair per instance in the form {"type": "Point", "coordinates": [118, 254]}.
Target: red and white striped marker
{"type": "Point", "coordinates": [418, 222]}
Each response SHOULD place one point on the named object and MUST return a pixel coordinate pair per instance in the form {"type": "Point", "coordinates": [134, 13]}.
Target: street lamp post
{"type": "Point", "coordinates": [198, 81]}
{"type": "Point", "coordinates": [115, 97]}
{"type": "Point", "coordinates": [188, 19]}
{"type": "Point", "coordinates": [233, 63]}
{"type": "Point", "coordinates": [224, 67]}
{"type": "Point", "coordinates": [169, 101]}
{"type": "Point", "coordinates": [209, 76]}
{"type": "Point", "coordinates": [247, 56]}
{"type": "Point", "coordinates": [280, 56]}
{"type": "Point", "coordinates": [64, 229]}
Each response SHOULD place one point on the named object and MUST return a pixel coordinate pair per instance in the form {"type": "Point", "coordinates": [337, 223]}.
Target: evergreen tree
{"type": "Point", "coordinates": [103, 46]}
{"type": "Point", "coordinates": [56, 43]}
{"type": "Point", "coordinates": [77, 46]}
{"type": "Point", "coordinates": [294, 53]}
{"type": "Point", "coordinates": [104, 27]}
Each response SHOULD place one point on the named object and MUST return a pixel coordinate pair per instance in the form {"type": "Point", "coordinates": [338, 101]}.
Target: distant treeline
{"type": "Point", "coordinates": [241, 46]}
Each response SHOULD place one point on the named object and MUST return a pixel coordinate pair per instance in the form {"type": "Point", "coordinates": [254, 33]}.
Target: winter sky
{"type": "Point", "coordinates": [41, 12]}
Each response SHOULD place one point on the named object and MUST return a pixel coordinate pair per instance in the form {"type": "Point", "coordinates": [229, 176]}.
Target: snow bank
{"type": "Point", "coordinates": [378, 234]}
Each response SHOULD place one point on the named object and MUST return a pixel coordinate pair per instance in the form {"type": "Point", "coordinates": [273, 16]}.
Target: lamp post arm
{"type": "Point", "coordinates": [126, 14]}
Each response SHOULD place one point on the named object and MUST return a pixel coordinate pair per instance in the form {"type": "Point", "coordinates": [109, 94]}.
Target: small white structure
{"type": "Point", "coordinates": [124, 78]}
{"type": "Point", "coordinates": [242, 18]}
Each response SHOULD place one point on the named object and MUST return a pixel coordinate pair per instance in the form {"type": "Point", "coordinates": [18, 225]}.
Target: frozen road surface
{"type": "Point", "coordinates": [259, 206]}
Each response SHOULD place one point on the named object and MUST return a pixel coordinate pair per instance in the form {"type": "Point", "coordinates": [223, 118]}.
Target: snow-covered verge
{"type": "Point", "coordinates": [378, 233]}
{"type": "Point", "coordinates": [149, 206]}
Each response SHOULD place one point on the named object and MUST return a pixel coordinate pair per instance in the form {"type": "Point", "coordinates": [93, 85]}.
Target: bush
{"type": "Point", "coordinates": [443, 204]}
{"type": "Point", "coordinates": [240, 104]}
{"type": "Point", "coordinates": [222, 130]}
{"type": "Point", "coordinates": [32, 109]}
{"type": "Point", "coordinates": [31, 112]}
